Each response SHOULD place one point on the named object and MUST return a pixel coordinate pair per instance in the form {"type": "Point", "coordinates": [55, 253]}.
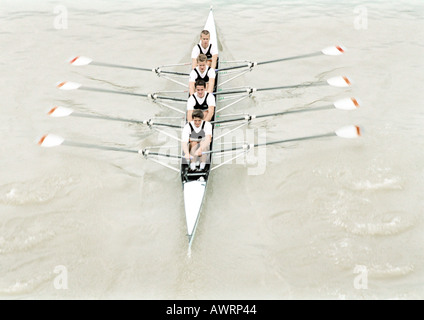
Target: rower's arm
{"type": "Point", "coordinates": [214, 60]}
{"type": "Point", "coordinates": [204, 145]}
{"type": "Point", "coordinates": [211, 84]}
{"type": "Point", "coordinates": [185, 149]}
{"type": "Point", "coordinates": [191, 87]}
{"type": "Point", "coordinates": [211, 111]}
{"type": "Point", "coordinates": [189, 115]}
{"type": "Point", "coordinates": [193, 63]}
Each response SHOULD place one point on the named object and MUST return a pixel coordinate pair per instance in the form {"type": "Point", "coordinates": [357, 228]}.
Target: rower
{"type": "Point", "coordinates": [196, 138]}
{"type": "Point", "coordinates": [201, 100]}
{"type": "Point", "coordinates": [204, 72]}
{"type": "Point", "coordinates": [206, 48]}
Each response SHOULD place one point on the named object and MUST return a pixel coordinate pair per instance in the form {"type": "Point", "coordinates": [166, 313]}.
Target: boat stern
{"type": "Point", "coordinates": [194, 192]}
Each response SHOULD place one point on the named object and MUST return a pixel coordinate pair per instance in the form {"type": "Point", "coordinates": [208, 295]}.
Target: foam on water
{"type": "Point", "coordinates": [33, 191]}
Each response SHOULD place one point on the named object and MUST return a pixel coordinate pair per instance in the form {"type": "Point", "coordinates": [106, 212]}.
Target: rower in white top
{"type": "Point", "coordinates": [196, 138]}
{"type": "Point", "coordinates": [206, 48]}
{"type": "Point", "coordinates": [203, 72]}
{"type": "Point", "coordinates": [201, 100]}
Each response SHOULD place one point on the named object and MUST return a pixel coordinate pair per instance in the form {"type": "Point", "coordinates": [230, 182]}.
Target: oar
{"type": "Point", "coordinates": [349, 132]}
{"type": "Point", "coordinates": [329, 51]}
{"type": "Point", "coordinates": [58, 112]}
{"type": "Point", "coordinates": [84, 61]}
{"type": "Point", "coordinates": [341, 82]}
{"type": "Point", "coordinates": [68, 85]}
{"type": "Point", "coordinates": [52, 140]}
{"type": "Point", "coordinates": [343, 104]}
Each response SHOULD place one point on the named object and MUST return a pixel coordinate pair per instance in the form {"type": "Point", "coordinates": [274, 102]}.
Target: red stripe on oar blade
{"type": "Point", "coordinates": [358, 130]}
{"type": "Point", "coordinates": [73, 60]}
{"type": "Point", "coordinates": [347, 80]}
{"type": "Point", "coordinates": [355, 102]}
{"type": "Point", "coordinates": [61, 84]}
{"type": "Point", "coordinates": [52, 110]}
{"type": "Point", "coordinates": [340, 48]}
{"type": "Point", "coordinates": [42, 140]}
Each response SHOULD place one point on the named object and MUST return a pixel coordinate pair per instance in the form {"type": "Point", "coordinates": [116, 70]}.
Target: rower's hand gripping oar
{"type": "Point", "coordinates": [59, 112]}
{"type": "Point", "coordinates": [84, 61]}
{"type": "Point", "coordinates": [329, 51]}
{"type": "Point", "coordinates": [68, 85]}
{"type": "Point", "coordinates": [348, 132]}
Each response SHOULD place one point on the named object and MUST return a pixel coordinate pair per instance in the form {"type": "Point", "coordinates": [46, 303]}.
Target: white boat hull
{"type": "Point", "coordinates": [193, 188]}
{"type": "Point", "coordinates": [194, 192]}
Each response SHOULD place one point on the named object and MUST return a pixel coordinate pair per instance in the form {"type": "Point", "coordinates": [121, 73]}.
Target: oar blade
{"type": "Point", "coordinates": [349, 132]}
{"type": "Point", "coordinates": [80, 61]}
{"type": "Point", "coordinates": [334, 51]}
{"type": "Point", "coordinates": [347, 104]}
{"type": "Point", "coordinates": [68, 85]}
{"type": "Point", "coordinates": [340, 82]}
{"type": "Point", "coordinates": [50, 140]}
{"type": "Point", "coordinates": [58, 112]}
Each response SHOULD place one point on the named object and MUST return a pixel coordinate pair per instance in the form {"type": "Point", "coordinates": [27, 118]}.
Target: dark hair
{"type": "Point", "coordinates": [197, 113]}
{"type": "Point", "coordinates": [200, 82]}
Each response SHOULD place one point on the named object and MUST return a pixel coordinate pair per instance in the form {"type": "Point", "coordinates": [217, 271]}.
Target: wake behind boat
{"type": "Point", "coordinates": [195, 182]}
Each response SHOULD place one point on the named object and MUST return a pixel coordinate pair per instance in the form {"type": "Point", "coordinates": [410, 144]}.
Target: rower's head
{"type": "Point", "coordinates": [197, 116]}
{"type": "Point", "coordinates": [200, 87]}
{"type": "Point", "coordinates": [201, 62]}
{"type": "Point", "coordinates": [205, 36]}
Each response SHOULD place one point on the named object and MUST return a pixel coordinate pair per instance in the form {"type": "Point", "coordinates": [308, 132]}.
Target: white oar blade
{"type": "Point", "coordinates": [347, 104]}
{"type": "Point", "coordinates": [68, 85]}
{"type": "Point", "coordinates": [334, 51]}
{"type": "Point", "coordinates": [58, 112]}
{"type": "Point", "coordinates": [340, 82]}
{"type": "Point", "coordinates": [80, 61]}
{"type": "Point", "coordinates": [349, 132]}
{"type": "Point", "coordinates": [50, 140]}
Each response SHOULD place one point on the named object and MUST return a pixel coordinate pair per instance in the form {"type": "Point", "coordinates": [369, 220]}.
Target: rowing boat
{"type": "Point", "coordinates": [194, 184]}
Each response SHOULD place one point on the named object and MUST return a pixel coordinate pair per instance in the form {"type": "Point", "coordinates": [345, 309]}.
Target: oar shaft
{"type": "Point", "coordinates": [292, 58]}
{"type": "Point", "coordinates": [233, 68]}
{"type": "Point", "coordinates": [94, 146]}
{"type": "Point", "coordinates": [295, 111]}
{"type": "Point", "coordinates": [170, 98]}
{"type": "Point", "coordinates": [164, 155]}
{"type": "Point", "coordinates": [332, 134]}
{"type": "Point", "coordinates": [110, 65]}
{"type": "Point", "coordinates": [114, 91]}
{"type": "Point", "coordinates": [251, 117]}
{"type": "Point", "coordinates": [312, 84]}
{"type": "Point", "coordinates": [131, 94]}
{"type": "Point", "coordinates": [90, 116]}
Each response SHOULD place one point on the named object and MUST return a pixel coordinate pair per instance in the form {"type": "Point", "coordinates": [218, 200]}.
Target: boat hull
{"type": "Point", "coordinates": [195, 183]}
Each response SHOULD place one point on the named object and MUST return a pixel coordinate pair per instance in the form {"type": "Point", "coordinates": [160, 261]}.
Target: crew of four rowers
{"type": "Point", "coordinates": [197, 133]}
